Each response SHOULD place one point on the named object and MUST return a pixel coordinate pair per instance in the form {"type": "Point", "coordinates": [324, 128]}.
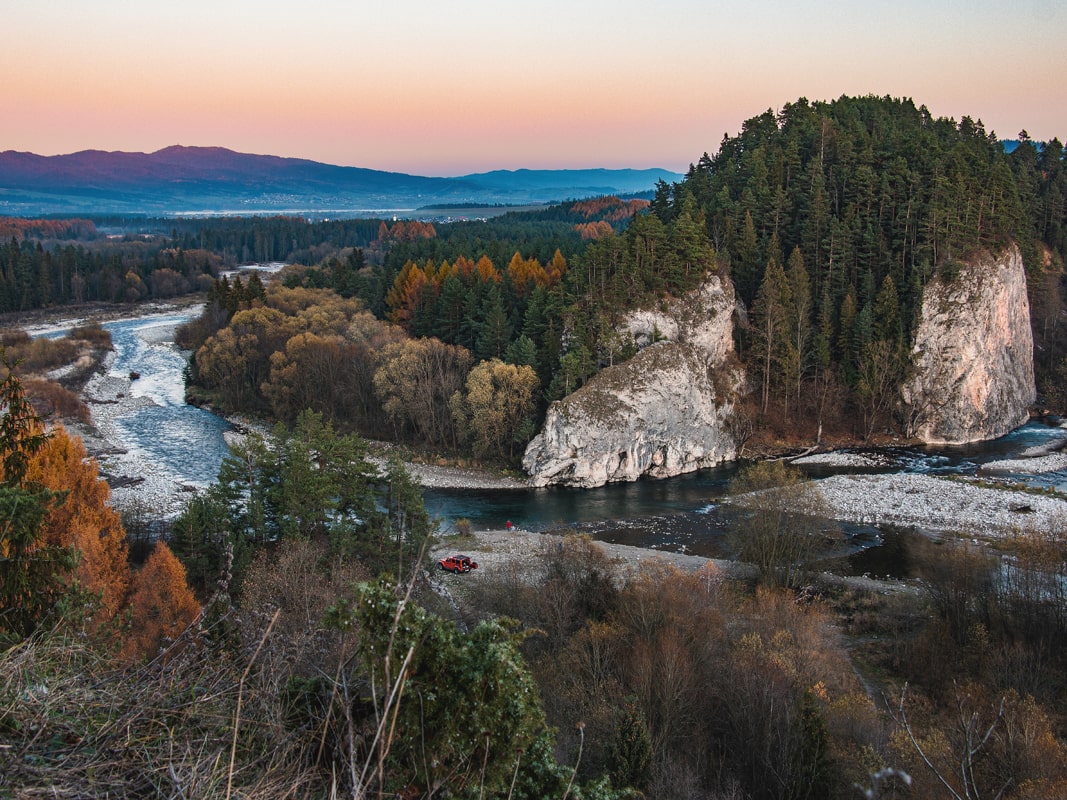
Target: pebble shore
{"type": "Point", "coordinates": [495, 550]}
{"type": "Point", "coordinates": [940, 504]}
{"type": "Point", "coordinates": [436, 477]}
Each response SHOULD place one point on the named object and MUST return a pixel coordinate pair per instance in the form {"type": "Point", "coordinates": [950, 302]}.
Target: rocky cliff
{"type": "Point", "coordinates": [973, 360]}
{"type": "Point", "coordinates": [661, 413]}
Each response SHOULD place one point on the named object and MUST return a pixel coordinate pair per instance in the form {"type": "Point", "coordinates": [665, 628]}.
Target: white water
{"type": "Point", "coordinates": [182, 440]}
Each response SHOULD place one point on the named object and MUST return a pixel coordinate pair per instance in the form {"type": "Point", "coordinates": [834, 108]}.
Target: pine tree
{"type": "Point", "coordinates": [403, 528]}
{"type": "Point", "coordinates": [202, 537]}
{"type": "Point", "coordinates": [630, 758]}
{"type": "Point", "coordinates": [448, 325]}
{"type": "Point", "coordinates": [33, 572]}
{"type": "Point", "coordinates": [746, 268]}
{"type": "Point", "coordinates": [887, 325]}
{"type": "Point", "coordinates": [495, 332]}
{"type": "Point", "coordinates": [799, 318]}
{"type": "Point", "coordinates": [770, 328]}
{"type": "Point", "coordinates": [522, 352]}
{"type": "Point", "coordinates": [846, 336]}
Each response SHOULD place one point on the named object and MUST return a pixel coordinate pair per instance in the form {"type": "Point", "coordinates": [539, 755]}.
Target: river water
{"type": "Point", "coordinates": [185, 440]}
{"type": "Point", "coordinates": [683, 513]}
{"type": "Point", "coordinates": [680, 513]}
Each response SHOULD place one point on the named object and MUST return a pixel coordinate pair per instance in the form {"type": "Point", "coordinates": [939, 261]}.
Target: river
{"type": "Point", "coordinates": [677, 514]}
{"type": "Point", "coordinates": [184, 440]}
{"type": "Point", "coordinates": [683, 513]}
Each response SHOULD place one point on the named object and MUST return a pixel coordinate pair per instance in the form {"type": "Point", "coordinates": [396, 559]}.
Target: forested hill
{"type": "Point", "coordinates": [868, 187]}
{"type": "Point", "coordinates": [872, 197]}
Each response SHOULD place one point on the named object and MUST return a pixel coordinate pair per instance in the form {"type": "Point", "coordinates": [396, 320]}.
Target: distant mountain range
{"type": "Point", "coordinates": [214, 180]}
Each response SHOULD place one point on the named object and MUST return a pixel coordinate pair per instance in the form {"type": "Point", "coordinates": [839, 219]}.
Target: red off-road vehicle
{"type": "Point", "coordinates": [458, 563]}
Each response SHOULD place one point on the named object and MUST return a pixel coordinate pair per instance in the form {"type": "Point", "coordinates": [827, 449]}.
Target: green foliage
{"type": "Point", "coordinates": [306, 482]}
{"type": "Point", "coordinates": [771, 345]}
{"type": "Point", "coordinates": [812, 771]}
{"type": "Point", "coordinates": [630, 759]}
{"type": "Point", "coordinates": [317, 480]}
{"type": "Point", "coordinates": [463, 710]}
{"type": "Point", "coordinates": [32, 573]}
{"type": "Point", "coordinates": [245, 240]}
{"type": "Point", "coordinates": [207, 539]}
{"type": "Point", "coordinates": [35, 276]}
{"type": "Point", "coordinates": [399, 527]}
{"type": "Point", "coordinates": [21, 431]}
{"type": "Point", "coordinates": [522, 352]}
{"type": "Point", "coordinates": [876, 196]}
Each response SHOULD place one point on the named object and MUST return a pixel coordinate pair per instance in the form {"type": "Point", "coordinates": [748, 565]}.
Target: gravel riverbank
{"type": "Point", "coordinates": [940, 504]}
{"type": "Point", "coordinates": [495, 550]}
{"type": "Point", "coordinates": [431, 476]}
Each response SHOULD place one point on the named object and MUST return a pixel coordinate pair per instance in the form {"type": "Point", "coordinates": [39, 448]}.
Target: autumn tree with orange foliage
{"type": "Point", "coordinates": [409, 292]}
{"type": "Point", "coordinates": [556, 268]}
{"type": "Point", "coordinates": [526, 273]}
{"type": "Point", "coordinates": [594, 230]}
{"type": "Point", "coordinates": [406, 231]}
{"type": "Point", "coordinates": [83, 521]}
{"type": "Point", "coordinates": [161, 605]}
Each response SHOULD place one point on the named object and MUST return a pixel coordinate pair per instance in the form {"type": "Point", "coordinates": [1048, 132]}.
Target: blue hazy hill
{"type": "Point", "coordinates": [183, 180]}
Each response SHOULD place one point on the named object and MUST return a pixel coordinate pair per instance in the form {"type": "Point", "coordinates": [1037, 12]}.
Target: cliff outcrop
{"type": "Point", "coordinates": [662, 413]}
{"type": "Point", "coordinates": [973, 365]}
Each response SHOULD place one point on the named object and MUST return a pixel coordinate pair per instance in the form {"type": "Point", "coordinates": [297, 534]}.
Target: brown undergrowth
{"type": "Point", "coordinates": [76, 727]}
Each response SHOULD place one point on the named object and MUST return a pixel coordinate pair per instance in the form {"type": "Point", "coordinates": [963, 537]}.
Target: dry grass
{"type": "Point", "coordinates": [55, 370]}
{"type": "Point", "coordinates": [75, 726]}
{"type": "Point", "coordinates": [51, 401]}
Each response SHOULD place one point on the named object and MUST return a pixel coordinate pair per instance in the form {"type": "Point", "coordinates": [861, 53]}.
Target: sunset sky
{"type": "Point", "coordinates": [449, 88]}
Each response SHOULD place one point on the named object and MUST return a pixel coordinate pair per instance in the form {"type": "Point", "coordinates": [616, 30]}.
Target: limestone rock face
{"type": "Point", "coordinates": [973, 357]}
{"type": "Point", "coordinates": [703, 318]}
{"type": "Point", "coordinates": [662, 413]}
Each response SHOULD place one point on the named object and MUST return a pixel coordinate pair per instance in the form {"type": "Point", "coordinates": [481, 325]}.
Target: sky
{"type": "Point", "coordinates": [451, 88]}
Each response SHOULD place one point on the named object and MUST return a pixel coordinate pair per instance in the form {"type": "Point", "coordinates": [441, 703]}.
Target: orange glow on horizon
{"type": "Point", "coordinates": [414, 87]}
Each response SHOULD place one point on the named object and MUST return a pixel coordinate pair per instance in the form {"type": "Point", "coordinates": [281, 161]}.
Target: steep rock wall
{"type": "Point", "coordinates": [973, 357]}
{"type": "Point", "coordinates": [662, 413]}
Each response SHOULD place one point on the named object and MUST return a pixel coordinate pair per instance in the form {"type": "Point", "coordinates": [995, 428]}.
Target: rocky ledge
{"type": "Point", "coordinates": [664, 412]}
{"type": "Point", "coordinates": [659, 414]}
